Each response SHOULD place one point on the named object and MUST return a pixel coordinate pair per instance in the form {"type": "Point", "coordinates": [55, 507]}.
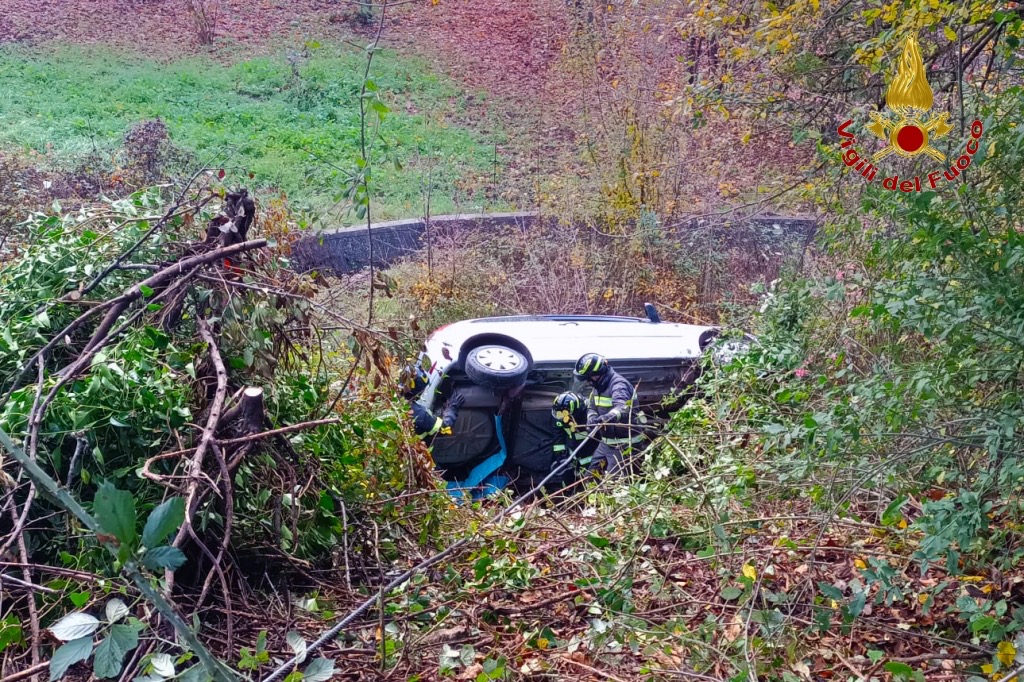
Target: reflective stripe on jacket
{"type": "Point", "coordinates": [569, 441]}
{"type": "Point", "coordinates": [616, 395]}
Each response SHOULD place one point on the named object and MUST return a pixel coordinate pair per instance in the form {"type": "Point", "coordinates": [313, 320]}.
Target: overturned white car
{"type": "Point", "coordinates": [509, 369]}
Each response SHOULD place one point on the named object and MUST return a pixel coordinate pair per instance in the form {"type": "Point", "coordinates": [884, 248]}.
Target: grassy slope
{"type": "Point", "coordinates": [73, 101]}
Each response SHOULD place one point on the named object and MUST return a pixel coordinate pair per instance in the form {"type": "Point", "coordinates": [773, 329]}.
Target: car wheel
{"type": "Point", "coordinates": [497, 367]}
{"type": "Point", "coordinates": [726, 350]}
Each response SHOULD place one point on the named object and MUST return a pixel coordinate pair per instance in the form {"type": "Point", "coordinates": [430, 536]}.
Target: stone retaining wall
{"type": "Point", "coordinates": [347, 250]}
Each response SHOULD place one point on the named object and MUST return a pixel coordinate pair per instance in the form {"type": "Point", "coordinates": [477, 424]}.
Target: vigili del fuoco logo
{"type": "Point", "coordinates": [908, 129]}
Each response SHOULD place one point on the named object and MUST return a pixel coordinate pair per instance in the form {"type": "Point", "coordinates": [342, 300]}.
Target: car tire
{"type": "Point", "coordinates": [497, 367]}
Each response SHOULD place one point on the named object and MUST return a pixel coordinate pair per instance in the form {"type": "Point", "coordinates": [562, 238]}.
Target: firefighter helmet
{"type": "Point", "coordinates": [566, 408]}
{"type": "Point", "coordinates": [591, 366]}
{"type": "Point", "coordinates": [412, 380]}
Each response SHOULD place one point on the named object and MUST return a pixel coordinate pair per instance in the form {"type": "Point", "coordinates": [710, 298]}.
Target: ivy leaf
{"type": "Point", "coordinates": [115, 510]}
{"type": "Point", "coordinates": [163, 521]}
{"type": "Point", "coordinates": [67, 655]}
{"type": "Point", "coordinates": [164, 557]}
{"type": "Point", "coordinates": [80, 599]}
{"type": "Point", "coordinates": [111, 651]}
{"type": "Point", "coordinates": [74, 626]}
{"type": "Point", "coordinates": [320, 670]}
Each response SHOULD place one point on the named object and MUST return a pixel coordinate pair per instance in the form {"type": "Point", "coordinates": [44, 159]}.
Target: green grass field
{"type": "Point", "coordinates": [255, 116]}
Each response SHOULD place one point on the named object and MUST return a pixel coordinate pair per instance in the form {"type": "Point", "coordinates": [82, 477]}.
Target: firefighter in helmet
{"type": "Point", "coordinates": [412, 381]}
{"type": "Point", "coordinates": [612, 405]}
{"type": "Point", "coordinates": [569, 411]}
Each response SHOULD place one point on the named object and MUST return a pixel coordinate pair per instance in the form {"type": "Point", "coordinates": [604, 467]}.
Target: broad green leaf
{"type": "Point", "coordinates": [830, 591]}
{"type": "Point", "coordinates": [115, 510]}
{"type": "Point", "coordinates": [163, 521]}
{"type": "Point", "coordinates": [731, 593]}
{"type": "Point", "coordinates": [74, 626]}
{"type": "Point", "coordinates": [196, 673]}
{"type": "Point", "coordinates": [67, 655]}
{"type": "Point", "coordinates": [163, 665]}
{"type": "Point", "coordinates": [164, 557]}
{"type": "Point", "coordinates": [856, 606]}
{"type": "Point", "coordinates": [116, 610]}
{"type": "Point", "coordinates": [320, 670]}
{"type": "Point", "coordinates": [892, 513]}
{"type": "Point", "coordinates": [111, 651]}
{"type": "Point", "coordinates": [897, 668]}
{"type": "Point", "coordinates": [297, 644]}
{"type": "Point", "coordinates": [10, 631]}
{"type": "Point", "coordinates": [80, 599]}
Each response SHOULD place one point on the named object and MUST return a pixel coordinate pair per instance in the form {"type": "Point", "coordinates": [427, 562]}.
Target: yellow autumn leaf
{"type": "Point", "coordinates": [1006, 652]}
{"type": "Point", "coordinates": [950, 33]}
{"type": "Point", "coordinates": [816, 5]}
{"type": "Point", "coordinates": [746, 138]}
{"type": "Point", "coordinates": [749, 572]}
{"type": "Point", "coordinates": [859, 563]}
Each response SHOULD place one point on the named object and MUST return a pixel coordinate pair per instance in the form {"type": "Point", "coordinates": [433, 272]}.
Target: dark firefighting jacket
{"type": "Point", "coordinates": [427, 424]}
{"type": "Point", "coordinates": [614, 395]}
{"type": "Point", "coordinates": [566, 443]}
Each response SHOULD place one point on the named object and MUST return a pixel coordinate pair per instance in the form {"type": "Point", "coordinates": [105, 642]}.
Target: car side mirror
{"type": "Point", "coordinates": [652, 313]}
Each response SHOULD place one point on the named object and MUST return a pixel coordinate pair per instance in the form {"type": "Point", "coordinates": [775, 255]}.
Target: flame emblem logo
{"type": "Point", "coordinates": [910, 98]}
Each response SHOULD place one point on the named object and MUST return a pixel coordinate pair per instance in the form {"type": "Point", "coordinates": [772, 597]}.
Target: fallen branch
{"type": "Point", "coordinates": [158, 281]}
{"type": "Point", "coordinates": [332, 632]}
{"type": "Point", "coordinates": [217, 670]}
{"type": "Point", "coordinates": [28, 672]}
{"type": "Point", "coordinates": [195, 466]}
